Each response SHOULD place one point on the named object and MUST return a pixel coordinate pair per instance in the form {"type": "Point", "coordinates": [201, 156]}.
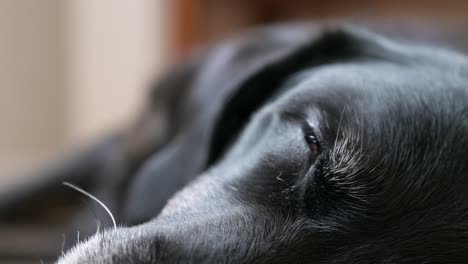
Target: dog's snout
{"type": "Point", "coordinates": [207, 236]}
{"type": "Point", "coordinates": [122, 245]}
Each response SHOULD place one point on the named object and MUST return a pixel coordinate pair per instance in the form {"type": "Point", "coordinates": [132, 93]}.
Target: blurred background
{"type": "Point", "coordinates": [70, 71]}
{"type": "Point", "coordinates": [73, 70]}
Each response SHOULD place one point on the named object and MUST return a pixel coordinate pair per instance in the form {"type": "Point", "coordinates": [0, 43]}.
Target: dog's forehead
{"type": "Point", "coordinates": [359, 84]}
{"type": "Point", "coordinates": [392, 107]}
{"type": "Point", "coordinates": [381, 93]}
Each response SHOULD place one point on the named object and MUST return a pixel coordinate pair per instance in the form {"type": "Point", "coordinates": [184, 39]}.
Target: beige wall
{"type": "Point", "coordinates": [71, 70]}
{"type": "Point", "coordinates": [32, 109]}
{"type": "Point", "coordinates": [116, 46]}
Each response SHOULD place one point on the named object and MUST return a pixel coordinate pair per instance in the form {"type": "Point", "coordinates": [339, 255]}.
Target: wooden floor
{"type": "Point", "coordinates": [29, 244]}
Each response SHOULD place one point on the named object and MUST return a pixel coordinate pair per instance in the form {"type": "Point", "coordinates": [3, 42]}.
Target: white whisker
{"type": "Point", "coordinates": [76, 188]}
{"type": "Point", "coordinates": [64, 237]}
{"type": "Point", "coordinates": [98, 226]}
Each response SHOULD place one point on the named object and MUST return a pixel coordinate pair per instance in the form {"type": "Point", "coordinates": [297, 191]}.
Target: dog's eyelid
{"type": "Point", "coordinates": [293, 116]}
{"type": "Point", "coordinates": [309, 129]}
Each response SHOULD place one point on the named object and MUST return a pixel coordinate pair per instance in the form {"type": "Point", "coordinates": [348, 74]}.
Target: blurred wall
{"type": "Point", "coordinates": [115, 47]}
{"type": "Point", "coordinates": [71, 71]}
{"type": "Point", "coordinates": [33, 111]}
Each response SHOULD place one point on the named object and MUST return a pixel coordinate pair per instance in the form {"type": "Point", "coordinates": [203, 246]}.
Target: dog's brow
{"type": "Point", "coordinates": [296, 117]}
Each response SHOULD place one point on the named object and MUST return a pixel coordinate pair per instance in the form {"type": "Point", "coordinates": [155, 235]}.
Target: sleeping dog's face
{"type": "Point", "coordinates": [357, 160]}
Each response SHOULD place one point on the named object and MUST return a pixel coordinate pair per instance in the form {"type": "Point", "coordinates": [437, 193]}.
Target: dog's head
{"type": "Point", "coordinates": [348, 148]}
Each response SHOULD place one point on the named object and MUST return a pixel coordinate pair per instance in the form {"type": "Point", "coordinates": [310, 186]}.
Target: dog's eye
{"type": "Point", "coordinates": [309, 133]}
{"type": "Point", "coordinates": [313, 144]}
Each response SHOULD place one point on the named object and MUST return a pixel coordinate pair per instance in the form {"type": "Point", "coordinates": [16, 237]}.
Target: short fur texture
{"type": "Point", "coordinates": [233, 178]}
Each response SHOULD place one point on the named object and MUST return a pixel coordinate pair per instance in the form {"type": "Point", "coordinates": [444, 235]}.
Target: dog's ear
{"type": "Point", "coordinates": [235, 79]}
{"type": "Point", "coordinates": [319, 48]}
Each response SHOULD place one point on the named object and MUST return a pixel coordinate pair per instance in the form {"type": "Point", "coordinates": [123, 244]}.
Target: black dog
{"type": "Point", "coordinates": [291, 145]}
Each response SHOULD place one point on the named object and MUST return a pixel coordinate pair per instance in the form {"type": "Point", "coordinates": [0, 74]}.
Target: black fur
{"type": "Point", "coordinates": [386, 180]}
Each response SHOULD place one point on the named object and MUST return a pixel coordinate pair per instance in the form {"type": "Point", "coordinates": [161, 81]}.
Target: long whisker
{"type": "Point", "coordinates": [78, 189]}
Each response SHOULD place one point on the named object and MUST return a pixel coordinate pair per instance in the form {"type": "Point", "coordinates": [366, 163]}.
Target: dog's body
{"type": "Point", "coordinates": [295, 146]}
